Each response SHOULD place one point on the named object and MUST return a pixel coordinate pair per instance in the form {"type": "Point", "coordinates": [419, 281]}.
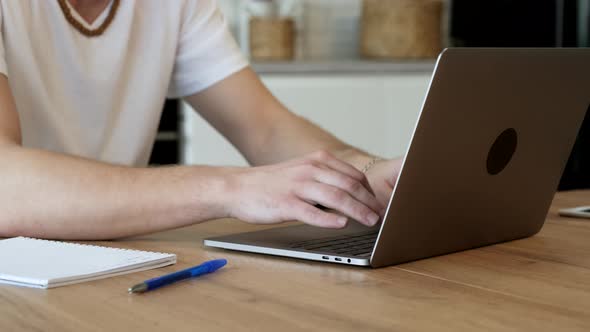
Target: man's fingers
{"type": "Point", "coordinates": [339, 200]}
{"type": "Point", "coordinates": [336, 164]}
{"type": "Point", "coordinates": [311, 215]}
{"type": "Point", "coordinates": [354, 187]}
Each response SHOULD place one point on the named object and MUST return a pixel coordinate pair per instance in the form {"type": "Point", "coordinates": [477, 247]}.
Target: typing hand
{"type": "Point", "coordinates": [382, 176]}
{"type": "Point", "coordinates": [291, 190]}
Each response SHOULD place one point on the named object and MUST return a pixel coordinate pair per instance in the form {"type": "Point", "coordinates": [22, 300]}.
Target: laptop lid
{"type": "Point", "coordinates": [491, 143]}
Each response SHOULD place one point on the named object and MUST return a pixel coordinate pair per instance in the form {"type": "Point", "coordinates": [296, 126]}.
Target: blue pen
{"type": "Point", "coordinates": [207, 267]}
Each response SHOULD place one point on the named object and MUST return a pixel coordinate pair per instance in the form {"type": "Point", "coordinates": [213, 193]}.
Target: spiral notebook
{"type": "Point", "coordinates": [47, 264]}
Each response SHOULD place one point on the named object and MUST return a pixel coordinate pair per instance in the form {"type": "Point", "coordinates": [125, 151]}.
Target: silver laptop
{"type": "Point", "coordinates": [492, 140]}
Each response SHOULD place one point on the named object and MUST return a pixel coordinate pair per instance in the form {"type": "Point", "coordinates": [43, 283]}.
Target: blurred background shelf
{"type": "Point", "coordinates": [339, 67]}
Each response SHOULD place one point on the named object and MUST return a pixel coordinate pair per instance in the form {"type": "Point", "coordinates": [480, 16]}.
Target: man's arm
{"type": "Point", "coordinates": [49, 195]}
{"type": "Point", "coordinates": [266, 132]}
{"type": "Point", "coordinates": [263, 129]}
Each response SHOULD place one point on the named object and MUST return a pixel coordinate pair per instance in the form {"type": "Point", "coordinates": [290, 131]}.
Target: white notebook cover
{"type": "Point", "coordinates": [46, 264]}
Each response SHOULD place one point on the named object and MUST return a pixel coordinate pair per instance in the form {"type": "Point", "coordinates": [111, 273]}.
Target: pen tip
{"type": "Point", "coordinates": [139, 288]}
{"type": "Point", "coordinates": [217, 264]}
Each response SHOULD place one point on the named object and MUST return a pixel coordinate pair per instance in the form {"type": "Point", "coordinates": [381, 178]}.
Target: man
{"type": "Point", "coordinates": [81, 91]}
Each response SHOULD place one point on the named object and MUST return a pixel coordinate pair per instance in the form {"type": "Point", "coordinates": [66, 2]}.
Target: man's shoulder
{"type": "Point", "coordinates": [160, 7]}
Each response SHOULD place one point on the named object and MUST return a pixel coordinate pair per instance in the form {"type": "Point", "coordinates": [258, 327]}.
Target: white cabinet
{"type": "Point", "coordinates": [374, 112]}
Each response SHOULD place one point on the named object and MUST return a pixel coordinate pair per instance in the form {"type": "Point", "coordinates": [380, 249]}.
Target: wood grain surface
{"type": "Point", "coordinates": [536, 284]}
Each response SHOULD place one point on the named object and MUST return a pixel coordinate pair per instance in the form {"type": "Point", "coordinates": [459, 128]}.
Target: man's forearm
{"type": "Point", "coordinates": [48, 195]}
{"type": "Point", "coordinates": [298, 136]}
{"type": "Point", "coordinates": [261, 127]}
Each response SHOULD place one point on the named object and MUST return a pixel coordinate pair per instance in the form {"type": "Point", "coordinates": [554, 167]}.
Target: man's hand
{"type": "Point", "coordinates": [383, 177]}
{"type": "Point", "coordinates": [244, 111]}
{"type": "Point", "coordinates": [291, 190]}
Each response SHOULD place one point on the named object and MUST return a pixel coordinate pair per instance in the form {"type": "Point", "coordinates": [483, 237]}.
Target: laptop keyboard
{"type": "Point", "coordinates": [360, 245]}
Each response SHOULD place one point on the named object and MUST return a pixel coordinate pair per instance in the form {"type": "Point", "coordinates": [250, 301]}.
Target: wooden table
{"type": "Point", "coordinates": [536, 284]}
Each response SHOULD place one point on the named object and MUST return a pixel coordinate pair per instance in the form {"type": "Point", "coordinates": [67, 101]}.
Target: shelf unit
{"type": "Point", "coordinates": [167, 146]}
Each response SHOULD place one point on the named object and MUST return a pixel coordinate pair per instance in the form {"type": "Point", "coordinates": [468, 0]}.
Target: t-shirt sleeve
{"type": "Point", "coordinates": [207, 52]}
{"type": "Point", "coordinates": [3, 66]}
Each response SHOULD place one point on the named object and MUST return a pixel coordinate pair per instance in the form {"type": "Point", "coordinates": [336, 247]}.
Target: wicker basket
{"type": "Point", "coordinates": [401, 29]}
{"type": "Point", "coordinates": [272, 38]}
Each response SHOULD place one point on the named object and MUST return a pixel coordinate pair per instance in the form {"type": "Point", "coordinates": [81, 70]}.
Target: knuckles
{"type": "Point", "coordinates": [335, 194]}
{"type": "Point", "coordinates": [352, 185]}
{"type": "Point", "coordinates": [306, 170]}
{"type": "Point", "coordinates": [322, 155]}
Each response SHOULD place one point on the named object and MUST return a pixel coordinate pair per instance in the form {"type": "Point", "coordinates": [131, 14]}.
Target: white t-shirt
{"type": "Point", "coordinates": [101, 97]}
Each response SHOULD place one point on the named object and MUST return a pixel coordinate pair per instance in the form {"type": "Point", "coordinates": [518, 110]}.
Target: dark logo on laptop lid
{"type": "Point", "coordinates": [502, 151]}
